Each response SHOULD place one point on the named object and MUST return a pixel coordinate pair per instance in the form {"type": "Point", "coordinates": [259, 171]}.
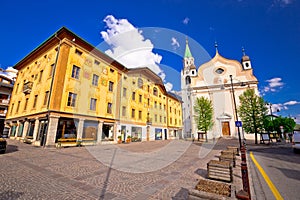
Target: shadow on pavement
{"type": "Point", "coordinates": [10, 195]}
{"type": "Point", "coordinates": [182, 194]}
{"type": "Point", "coordinates": [201, 172]}
{"type": "Point", "coordinates": [11, 148]}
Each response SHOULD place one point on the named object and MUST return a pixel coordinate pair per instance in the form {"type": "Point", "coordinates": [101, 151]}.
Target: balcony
{"type": "Point", "coordinates": [27, 87]}
{"type": "Point", "coordinates": [3, 113]}
{"type": "Point", "coordinates": [4, 102]}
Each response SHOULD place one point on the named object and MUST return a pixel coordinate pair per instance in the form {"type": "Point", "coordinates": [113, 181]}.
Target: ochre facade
{"type": "Point", "coordinates": [68, 91]}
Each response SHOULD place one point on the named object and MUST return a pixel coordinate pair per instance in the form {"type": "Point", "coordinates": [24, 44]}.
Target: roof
{"type": "Point", "coordinates": [187, 53]}
{"type": "Point", "coordinates": [54, 40]}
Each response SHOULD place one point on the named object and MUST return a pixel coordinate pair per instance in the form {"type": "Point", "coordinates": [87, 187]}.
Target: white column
{"type": "Point", "coordinates": [80, 129]}
{"type": "Point", "coordinates": [52, 128]}
{"type": "Point", "coordinates": [25, 129]}
{"type": "Point", "coordinates": [36, 128]}
{"type": "Point", "coordinates": [99, 132]}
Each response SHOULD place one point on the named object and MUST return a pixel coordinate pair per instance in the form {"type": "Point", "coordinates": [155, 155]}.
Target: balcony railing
{"type": "Point", "coordinates": [3, 112]}
{"type": "Point", "coordinates": [4, 102]}
{"type": "Point", "coordinates": [27, 87]}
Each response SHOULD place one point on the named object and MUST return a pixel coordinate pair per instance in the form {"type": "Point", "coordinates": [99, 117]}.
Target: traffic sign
{"type": "Point", "coordinates": [238, 123]}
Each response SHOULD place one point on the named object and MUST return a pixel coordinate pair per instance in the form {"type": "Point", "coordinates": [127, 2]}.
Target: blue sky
{"type": "Point", "coordinates": [269, 30]}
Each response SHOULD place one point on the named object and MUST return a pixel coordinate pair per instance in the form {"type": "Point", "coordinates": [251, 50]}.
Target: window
{"type": "Point", "coordinates": [164, 107]}
{"type": "Point", "coordinates": [17, 88]}
{"type": "Point", "coordinates": [95, 80]}
{"type": "Point", "coordinates": [175, 121]}
{"type": "Point", "coordinates": [78, 52]}
{"type": "Point", "coordinates": [133, 96]}
{"type": "Point", "coordinates": [219, 71]}
{"type": "Point", "coordinates": [12, 108]}
{"type": "Point", "coordinates": [140, 114]}
{"type": "Point", "coordinates": [140, 98]}
{"type": "Point", "coordinates": [123, 111]}
{"type": "Point", "coordinates": [109, 108]}
{"type": "Point", "coordinates": [41, 75]}
{"type": "Point", "coordinates": [18, 106]}
{"type": "Point", "coordinates": [133, 113]}
{"type": "Point", "coordinates": [140, 83]}
{"type": "Point", "coordinates": [170, 109]}
{"type": "Point", "coordinates": [171, 120]}
{"type": "Point", "coordinates": [35, 100]}
{"type": "Point", "coordinates": [72, 99]}
{"type": "Point", "coordinates": [96, 62]}
{"type": "Point", "coordinates": [124, 92]}
{"type": "Point", "coordinates": [75, 72]}
{"type": "Point", "coordinates": [155, 104]}
{"type": "Point", "coordinates": [111, 70]}
{"type": "Point", "coordinates": [160, 118]}
{"type": "Point", "coordinates": [148, 101]}
{"type": "Point", "coordinates": [160, 106]}
{"type": "Point", "coordinates": [110, 86]}
{"type": "Point", "coordinates": [148, 88]}
{"type": "Point", "coordinates": [155, 92]}
{"type": "Point", "coordinates": [155, 117]}
{"type": "Point", "coordinates": [26, 103]}
{"type": "Point", "coordinates": [175, 111]}
{"type": "Point", "coordinates": [46, 98]}
{"type": "Point", "coordinates": [51, 70]}
{"type": "Point", "coordinates": [188, 80]}
{"type": "Point", "coordinates": [93, 104]}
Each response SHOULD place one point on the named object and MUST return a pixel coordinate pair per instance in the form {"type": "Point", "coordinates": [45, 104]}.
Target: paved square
{"type": "Point", "coordinates": [29, 172]}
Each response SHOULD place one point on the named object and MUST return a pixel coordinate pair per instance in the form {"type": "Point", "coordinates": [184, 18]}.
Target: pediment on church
{"type": "Point", "coordinates": [224, 116]}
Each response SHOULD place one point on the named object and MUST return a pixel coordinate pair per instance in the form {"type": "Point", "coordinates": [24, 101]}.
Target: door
{"type": "Point", "coordinates": [225, 129]}
{"type": "Point", "coordinates": [42, 132]}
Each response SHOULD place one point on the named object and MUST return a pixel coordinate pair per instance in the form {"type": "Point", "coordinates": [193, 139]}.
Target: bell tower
{"type": "Point", "coordinates": [246, 63]}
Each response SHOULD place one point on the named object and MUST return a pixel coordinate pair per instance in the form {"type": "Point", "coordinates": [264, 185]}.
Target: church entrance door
{"type": "Point", "coordinates": [225, 129]}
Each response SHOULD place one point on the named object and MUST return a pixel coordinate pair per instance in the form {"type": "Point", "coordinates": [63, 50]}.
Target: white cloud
{"type": "Point", "coordinates": [291, 103]}
{"type": "Point", "coordinates": [281, 3]}
{"type": "Point", "coordinates": [274, 85]}
{"type": "Point", "coordinates": [129, 47]}
{"type": "Point", "coordinates": [175, 43]}
{"type": "Point", "coordinates": [186, 20]}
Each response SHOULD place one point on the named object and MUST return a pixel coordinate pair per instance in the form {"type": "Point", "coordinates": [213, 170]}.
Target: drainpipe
{"type": "Point", "coordinates": [50, 91]}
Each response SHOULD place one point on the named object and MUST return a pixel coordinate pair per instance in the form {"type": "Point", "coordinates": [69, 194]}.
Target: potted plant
{"type": "Point", "coordinates": [119, 139]}
{"type": "Point", "coordinates": [128, 139]}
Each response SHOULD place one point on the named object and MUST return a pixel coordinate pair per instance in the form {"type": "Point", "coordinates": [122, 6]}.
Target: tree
{"type": "Point", "coordinates": [203, 114]}
{"type": "Point", "coordinates": [287, 123]}
{"type": "Point", "coordinates": [252, 111]}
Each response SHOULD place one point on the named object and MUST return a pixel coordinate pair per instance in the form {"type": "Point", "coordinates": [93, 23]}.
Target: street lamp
{"type": "Point", "coordinates": [236, 114]}
{"type": "Point", "coordinates": [244, 169]}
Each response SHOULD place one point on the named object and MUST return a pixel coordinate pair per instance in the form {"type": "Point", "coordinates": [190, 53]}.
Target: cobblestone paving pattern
{"type": "Point", "coordinates": [29, 172]}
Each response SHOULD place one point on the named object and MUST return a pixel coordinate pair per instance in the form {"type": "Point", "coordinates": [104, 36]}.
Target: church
{"type": "Point", "coordinates": [222, 81]}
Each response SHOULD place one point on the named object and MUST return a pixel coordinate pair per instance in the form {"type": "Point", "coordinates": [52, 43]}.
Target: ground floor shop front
{"type": "Point", "coordinates": [56, 129]}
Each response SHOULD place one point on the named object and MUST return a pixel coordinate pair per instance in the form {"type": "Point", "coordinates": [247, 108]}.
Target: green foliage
{"type": "Point", "coordinates": [203, 114]}
{"type": "Point", "coordinates": [252, 111]}
{"type": "Point", "coordinates": [287, 123]}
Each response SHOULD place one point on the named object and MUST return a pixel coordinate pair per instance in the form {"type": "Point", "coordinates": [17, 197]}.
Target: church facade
{"type": "Point", "coordinates": [222, 81]}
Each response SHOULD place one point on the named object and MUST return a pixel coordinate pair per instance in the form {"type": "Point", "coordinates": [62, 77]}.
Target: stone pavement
{"type": "Point", "coordinates": [29, 172]}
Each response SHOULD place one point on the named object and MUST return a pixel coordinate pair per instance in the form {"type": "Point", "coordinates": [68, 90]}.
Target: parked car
{"type": "Point", "coordinates": [296, 141]}
{"type": "Point", "coordinates": [3, 144]}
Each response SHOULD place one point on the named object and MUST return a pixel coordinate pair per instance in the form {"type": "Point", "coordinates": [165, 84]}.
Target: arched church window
{"type": "Point", "coordinates": [188, 80]}
{"type": "Point", "coordinates": [219, 71]}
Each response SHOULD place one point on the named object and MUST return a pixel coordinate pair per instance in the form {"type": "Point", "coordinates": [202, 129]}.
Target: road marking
{"type": "Point", "coordinates": [266, 177]}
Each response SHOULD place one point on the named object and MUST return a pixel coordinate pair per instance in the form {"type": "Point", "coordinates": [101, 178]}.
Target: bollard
{"type": "Point", "coordinates": [245, 193]}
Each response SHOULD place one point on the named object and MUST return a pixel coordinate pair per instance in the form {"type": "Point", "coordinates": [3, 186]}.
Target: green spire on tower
{"type": "Point", "coordinates": [187, 53]}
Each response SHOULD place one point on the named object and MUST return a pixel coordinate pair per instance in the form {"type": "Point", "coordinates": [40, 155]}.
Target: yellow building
{"type": "Point", "coordinates": [68, 91]}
